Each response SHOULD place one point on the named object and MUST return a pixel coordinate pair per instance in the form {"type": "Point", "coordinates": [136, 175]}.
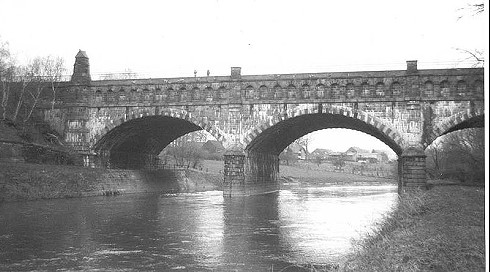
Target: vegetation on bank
{"type": "Point", "coordinates": [442, 229]}
{"type": "Point", "coordinates": [459, 155]}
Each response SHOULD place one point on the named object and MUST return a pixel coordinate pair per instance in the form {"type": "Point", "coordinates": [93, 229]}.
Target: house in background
{"type": "Point", "coordinates": [383, 157]}
{"type": "Point", "coordinates": [355, 153]}
{"type": "Point", "coordinates": [320, 153]}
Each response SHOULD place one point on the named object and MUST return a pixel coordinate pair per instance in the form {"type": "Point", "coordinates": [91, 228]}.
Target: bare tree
{"type": "Point", "coordinates": [459, 155]}
{"type": "Point", "coordinates": [288, 156]}
{"type": "Point", "coordinates": [24, 78]}
{"type": "Point", "coordinates": [304, 142]}
{"type": "Point", "coordinates": [54, 69]}
{"type": "Point", "coordinates": [477, 55]}
{"type": "Point", "coordinates": [47, 71]}
{"type": "Point", "coordinates": [434, 158]}
{"type": "Point", "coordinates": [7, 73]}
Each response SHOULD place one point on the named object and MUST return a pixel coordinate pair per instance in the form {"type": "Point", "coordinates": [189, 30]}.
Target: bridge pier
{"type": "Point", "coordinates": [249, 173]}
{"type": "Point", "coordinates": [411, 170]}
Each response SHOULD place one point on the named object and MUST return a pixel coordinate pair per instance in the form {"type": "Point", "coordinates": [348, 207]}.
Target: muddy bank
{"type": "Point", "coordinates": [21, 181]}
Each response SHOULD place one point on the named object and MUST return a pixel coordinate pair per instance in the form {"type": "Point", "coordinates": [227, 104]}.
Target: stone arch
{"type": "Point", "coordinates": [263, 92]}
{"type": "Point", "coordinates": [334, 91]}
{"type": "Point", "coordinates": [209, 93]}
{"type": "Point", "coordinates": [222, 93]}
{"type": "Point", "coordinates": [183, 94]}
{"type": "Point", "coordinates": [428, 89]}
{"type": "Point", "coordinates": [249, 92]}
{"type": "Point", "coordinates": [196, 94]}
{"type": "Point", "coordinates": [458, 121]}
{"type": "Point", "coordinates": [461, 87]}
{"type": "Point", "coordinates": [396, 89]}
{"type": "Point", "coordinates": [366, 90]}
{"type": "Point", "coordinates": [291, 91]}
{"type": "Point", "coordinates": [350, 90]}
{"type": "Point", "coordinates": [283, 128]}
{"type": "Point", "coordinates": [277, 91]}
{"type": "Point", "coordinates": [445, 90]}
{"type": "Point", "coordinates": [98, 96]}
{"type": "Point", "coordinates": [171, 94]}
{"type": "Point", "coordinates": [305, 91]}
{"type": "Point", "coordinates": [380, 89]}
{"type": "Point", "coordinates": [320, 91]}
{"type": "Point", "coordinates": [99, 141]}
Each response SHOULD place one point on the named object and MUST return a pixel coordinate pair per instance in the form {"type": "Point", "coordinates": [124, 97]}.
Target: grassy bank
{"type": "Point", "coordinates": [25, 181]}
{"type": "Point", "coordinates": [442, 229]}
{"type": "Point", "coordinates": [311, 173]}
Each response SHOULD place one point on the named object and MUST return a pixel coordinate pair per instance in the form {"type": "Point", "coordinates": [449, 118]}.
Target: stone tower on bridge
{"type": "Point", "coordinates": [122, 123]}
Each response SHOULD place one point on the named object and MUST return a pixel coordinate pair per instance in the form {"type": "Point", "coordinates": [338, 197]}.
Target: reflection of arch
{"type": "Point", "coordinates": [145, 124]}
{"type": "Point", "coordinates": [461, 120]}
{"type": "Point", "coordinates": [273, 136]}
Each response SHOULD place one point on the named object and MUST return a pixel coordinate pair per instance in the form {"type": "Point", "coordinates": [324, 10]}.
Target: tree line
{"type": "Point", "coordinates": [23, 86]}
{"type": "Point", "coordinates": [459, 155]}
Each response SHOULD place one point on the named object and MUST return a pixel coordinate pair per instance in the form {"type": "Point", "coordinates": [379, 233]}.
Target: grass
{"type": "Point", "coordinates": [442, 229]}
{"type": "Point", "coordinates": [311, 173]}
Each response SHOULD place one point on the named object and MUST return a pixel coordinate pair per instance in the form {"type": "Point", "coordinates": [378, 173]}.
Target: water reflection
{"type": "Point", "coordinates": [319, 222]}
{"type": "Point", "coordinates": [193, 232]}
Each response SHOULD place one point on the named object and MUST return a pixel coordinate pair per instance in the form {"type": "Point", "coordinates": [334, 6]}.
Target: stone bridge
{"type": "Point", "coordinates": [255, 117]}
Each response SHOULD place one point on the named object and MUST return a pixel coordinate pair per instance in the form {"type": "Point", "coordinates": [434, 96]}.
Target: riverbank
{"type": "Point", "coordinates": [442, 229]}
{"type": "Point", "coordinates": [23, 181]}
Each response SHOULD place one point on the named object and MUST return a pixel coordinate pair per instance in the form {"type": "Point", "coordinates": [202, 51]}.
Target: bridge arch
{"type": "Point", "coordinates": [461, 120]}
{"type": "Point", "coordinates": [275, 135]}
{"type": "Point", "coordinates": [147, 132]}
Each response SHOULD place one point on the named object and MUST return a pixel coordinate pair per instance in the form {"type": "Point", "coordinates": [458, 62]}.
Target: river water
{"type": "Point", "coordinates": [191, 232]}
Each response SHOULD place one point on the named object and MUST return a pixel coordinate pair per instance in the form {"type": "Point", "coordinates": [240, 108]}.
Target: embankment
{"type": "Point", "coordinates": [22, 181]}
{"type": "Point", "coordinates": [442, 229]}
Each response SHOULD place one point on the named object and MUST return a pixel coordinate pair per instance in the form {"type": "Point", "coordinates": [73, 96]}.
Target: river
{"type": "Point", "coordinates": [190, 232]}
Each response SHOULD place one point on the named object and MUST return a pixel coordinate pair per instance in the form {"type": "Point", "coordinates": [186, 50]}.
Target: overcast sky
{"type": "Point", "coordinates": [174, 38]}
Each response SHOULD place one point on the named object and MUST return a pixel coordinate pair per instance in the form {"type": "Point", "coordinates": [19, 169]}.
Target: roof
{"type": "Point", "coordinates": [81, 54]}
{"type": "Point", "coordinates": [321, 151]}
{"type": "Point", "coordinates": [357, 150]}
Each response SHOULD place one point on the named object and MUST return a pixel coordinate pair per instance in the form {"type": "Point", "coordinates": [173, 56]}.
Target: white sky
{"type": "Point", "coordinates": [174, 38]}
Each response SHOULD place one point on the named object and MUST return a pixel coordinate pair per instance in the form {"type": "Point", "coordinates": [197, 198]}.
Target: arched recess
{"type": "Point", "coordinates": [275, 136]}
{"type": "Point", "coordinates": [146, 133]}
{"type": "Point", "coordinates": [461, 120]}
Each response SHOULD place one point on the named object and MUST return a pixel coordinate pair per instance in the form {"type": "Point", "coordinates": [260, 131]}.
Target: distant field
{"type": "Point", "coordinates": [312, 173]}
{"type": "Point", "coordinates": [308, 172]}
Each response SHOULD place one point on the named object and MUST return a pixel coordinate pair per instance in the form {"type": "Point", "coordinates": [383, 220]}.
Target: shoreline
{"type": "Point", "coordinates": [24, 182]}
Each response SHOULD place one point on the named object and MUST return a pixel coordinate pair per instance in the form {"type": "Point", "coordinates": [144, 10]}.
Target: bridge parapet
{"type": "Point", "coordinates": [395, 86]}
